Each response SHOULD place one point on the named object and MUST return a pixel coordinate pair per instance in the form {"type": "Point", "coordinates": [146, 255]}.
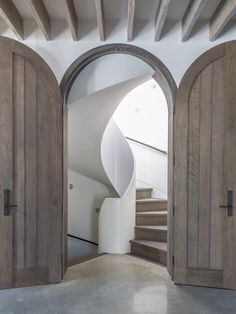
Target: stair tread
{"type": "Point", "coordinates": [152, 213]}
{"type": "Point", "coordinates": [144, 189]}
{"type": "Point", "coordinates": [153, 244]}
{"type": "Point", "coordinates": [151, 200]}
{"type": "Point", "coordinates": [152, 227]}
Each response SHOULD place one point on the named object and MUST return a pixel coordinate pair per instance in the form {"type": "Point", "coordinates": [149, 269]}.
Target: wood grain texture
{"type": "Point", "coordinates": [6, 169]}
{"type": "Point", "coordinates": [71, 18]}
{"type": "Point", "coordinates": [130, 19]}
{"type": "Point", "coordinates": [160, 18]}
{"type": "Point", "coordinates": [41, 17]}
{"type": "Point", "coordinates": [217, 185]}
{"type": "Point", "coordinates": [100, 19]}
{"type": "Point", "coordinates": [12, 17]}
{"type": "Point", "coordinates": [19, 161]}
{"type": "Point", "coordinates": [191, 16]}
{"type": "Point", "coordinates": [32, 142]}
{"type": "Point", "coordinates": [205, 169]}
{"type": "Point", "coordinates": [197, 225]}
{"type": "Point", "coordinates": [229, 223]}
{"type": "Point", "coordinates": [224, 12]}
{"type": "Point", "coordinates": [193, 172]}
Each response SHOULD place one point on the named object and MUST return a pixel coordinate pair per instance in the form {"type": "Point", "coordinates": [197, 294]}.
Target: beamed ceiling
{"type": "Point", "coordinates": [216, 13]}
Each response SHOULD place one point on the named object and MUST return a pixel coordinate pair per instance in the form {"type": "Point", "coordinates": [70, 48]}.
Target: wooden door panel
{"type": "Point", "coordinates": [217, 153]}
{"type": "Point", "coordinates": [230, 166]}
{"type": "Point", "coordinates": [32, 167]}
{"type": "Point", "coordinates": [6, 159]}
{"type": "Point", "coordinates": [205, 141]}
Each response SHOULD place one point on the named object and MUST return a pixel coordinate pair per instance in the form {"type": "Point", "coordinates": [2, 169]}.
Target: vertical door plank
{"type": "Point", "coordinates": [19, 161]}
{"type": "Point", "coordinates": [193, 173]}
{"type": "Point", "coordinates": [43, 122]}
{"type": "Point", "coordinates": [31, 165]}
{"type": "Point", "coordinates": [216, 241]}
{"type": "Point", "coordinates": [205, 169]}
{"type": "Point", "coordinates": [6, 162]}
{"type": "Point", "coordinates": [180, 185]}
{"type": "Point", "coordinates": [230, 167]}
{"type": "Point", "coordinates": [49, 183]}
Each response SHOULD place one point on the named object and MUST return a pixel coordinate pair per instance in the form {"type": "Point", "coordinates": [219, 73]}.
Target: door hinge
{"type": "Point", "coordinates": [173, 259]}
{"type": "Point", "coordinates": [173, 210]}
{"type": "Point", "coordinates": [174, 160]}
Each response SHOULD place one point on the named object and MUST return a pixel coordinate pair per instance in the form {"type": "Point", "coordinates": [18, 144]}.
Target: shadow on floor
{"type": "Point", "coordinates": [80, 251]}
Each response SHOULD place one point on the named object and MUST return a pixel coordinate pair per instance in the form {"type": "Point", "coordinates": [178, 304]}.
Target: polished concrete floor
{"type": "Point", "coordinates": [117, 284]}
{"type": "Point", "coordinates": [80, 251]}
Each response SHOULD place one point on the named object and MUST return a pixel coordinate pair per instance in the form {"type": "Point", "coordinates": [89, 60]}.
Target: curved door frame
{"type": "Point", "coordinates": [162, 76]}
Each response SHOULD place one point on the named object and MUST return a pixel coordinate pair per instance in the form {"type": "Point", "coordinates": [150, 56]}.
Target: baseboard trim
{"type": "Point", "coordinates": [72, 236]}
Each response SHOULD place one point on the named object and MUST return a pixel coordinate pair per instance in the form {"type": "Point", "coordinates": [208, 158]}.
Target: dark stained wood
{"type": "Point", "coordinates": [191, 16]}
{"type": "Point", "coordinates": [12, 17]}
{"type": "Point", "coordinates": [160, 18]}
{"type": "Point", "coordinates": [71, 18]}
{"type": "Point", "coordinates": [223, 14]}
{"type": "Point", "coordinates": [130, 19]}
{"type": "Point", "coordinates": [205, 140]}
{"type": "Point", "coordinates": [41, 16]}
{"type": "Point", "coordinates": [31, 166]}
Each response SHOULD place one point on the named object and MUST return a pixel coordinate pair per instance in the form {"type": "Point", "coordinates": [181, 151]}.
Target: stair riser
{"type": "Point", "coordinates": [149, 253]}
{"type": "Point", "coordinates": [151, 220]}
{"type": "Point", "coordinates": [148, 207]}
{"type": "Point", "coordinates": [143, 194]}
{"type": "Point", "coordinates": [151, 235]}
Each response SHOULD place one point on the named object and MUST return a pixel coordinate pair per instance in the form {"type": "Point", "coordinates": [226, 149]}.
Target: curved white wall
{"type": "Point", "coordinates": [116, 222]}
{"type": "Point", "coordinates": [98, 150]}
{"type": "Point", "coordinates": [117, 158]}
{"type": "Point", "coordinates": [143, 116]}
{"type": "Point", "coordinates": [87, 121]}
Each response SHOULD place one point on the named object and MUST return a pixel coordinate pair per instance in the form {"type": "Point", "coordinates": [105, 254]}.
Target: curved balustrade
{"type": "Point", "coordinates": [98, 150]}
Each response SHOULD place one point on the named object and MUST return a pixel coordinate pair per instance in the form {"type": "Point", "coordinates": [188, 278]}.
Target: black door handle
{"type": "Point", "coordinates": [7, 206]}
{"type": "Point", "coordinates": [229, 205]}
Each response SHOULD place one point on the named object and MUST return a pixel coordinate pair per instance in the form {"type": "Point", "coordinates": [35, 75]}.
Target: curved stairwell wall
{"type": "Point", "coordinates": [98, 150]}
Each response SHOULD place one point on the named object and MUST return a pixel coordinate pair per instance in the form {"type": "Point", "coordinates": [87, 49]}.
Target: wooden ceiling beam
{"type": "Point", "coordinates": [222, 15]}
{"type": "Point", "coordinates": [160, 18]}
{"type": "Point", "coordinates": [191, 16]}
{"type": "Point", "coordinates": [71, 18]}
{"type": "Point", "coordinates": [100, 19]}
{"type": "Point", "coordinates": [12, 17]}
{"type": "Point", "coordinates": [130, 19]}
{"type": "Point", "coordinates": [41, 16]}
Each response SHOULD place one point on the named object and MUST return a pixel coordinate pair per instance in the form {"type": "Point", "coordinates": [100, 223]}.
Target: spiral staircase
{"type": "Point", "coordinates": [100, 151]}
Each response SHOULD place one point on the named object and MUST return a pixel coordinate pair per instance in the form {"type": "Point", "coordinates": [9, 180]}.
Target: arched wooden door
{"type": "Point", "coordinates": [205, 171]}
{"type": "Point", "coordinates": [30, 169]}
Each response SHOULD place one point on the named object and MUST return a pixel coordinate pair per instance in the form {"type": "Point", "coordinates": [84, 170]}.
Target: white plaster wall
{"type": "Point", "coordinates": [83, 199]}
{"type": "Point", "coordinates": [62, 51]}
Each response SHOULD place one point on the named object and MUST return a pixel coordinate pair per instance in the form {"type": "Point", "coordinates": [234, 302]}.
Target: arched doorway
{"type": "Point", "coordinates": [162, 76]}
